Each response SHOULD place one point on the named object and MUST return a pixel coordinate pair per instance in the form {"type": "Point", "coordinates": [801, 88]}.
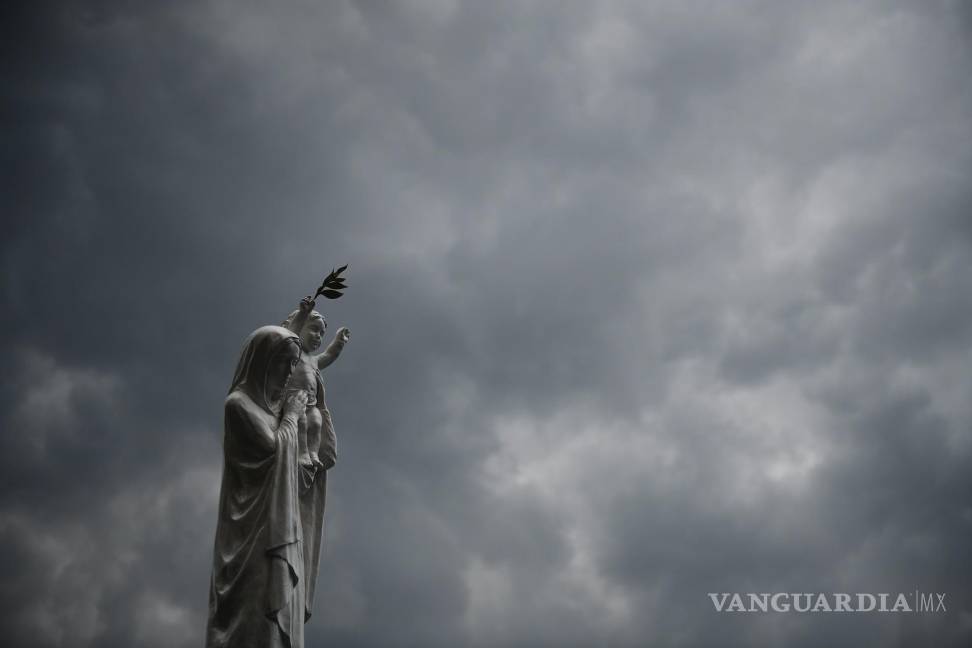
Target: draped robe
{"type": "Point", "coordinates": [258, 589]}
{"type": "Point", "coordinates": [313, 492]}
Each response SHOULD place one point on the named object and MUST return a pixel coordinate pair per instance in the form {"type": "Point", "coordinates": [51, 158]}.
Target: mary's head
{"type": "Point", "coordinates": [269, 357]}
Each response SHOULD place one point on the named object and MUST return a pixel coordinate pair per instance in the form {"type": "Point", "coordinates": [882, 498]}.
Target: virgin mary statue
{"type": "Point", "coordinates": [257, 592]}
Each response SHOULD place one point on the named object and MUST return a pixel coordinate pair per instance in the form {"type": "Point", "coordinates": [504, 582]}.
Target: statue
{"type": "Point", "coordinates": [278, 443]}
{"type": "Point", "coordinates": [310, 325]}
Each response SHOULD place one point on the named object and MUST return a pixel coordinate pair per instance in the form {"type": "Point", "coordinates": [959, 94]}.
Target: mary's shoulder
{"type": "Point", "coordinates": [238, 403]}
{"type": "Point", "coordinates": [244, 424]}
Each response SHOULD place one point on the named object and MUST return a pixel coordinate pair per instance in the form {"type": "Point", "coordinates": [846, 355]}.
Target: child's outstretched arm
{"type": "Point", "coordinates": [303, 310]}
{"type": "Point", "coordinates": [334, 349]}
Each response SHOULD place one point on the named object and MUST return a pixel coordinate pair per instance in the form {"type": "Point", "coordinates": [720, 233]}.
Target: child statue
{"type": "Point", "coordinates": [317, 442]}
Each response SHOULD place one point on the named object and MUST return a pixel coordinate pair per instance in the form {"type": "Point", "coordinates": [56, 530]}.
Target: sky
{"type": "Point", "coordinates": [648, 300]}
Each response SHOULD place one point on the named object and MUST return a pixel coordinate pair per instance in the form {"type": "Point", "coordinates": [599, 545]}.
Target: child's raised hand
{"type": "Point", "coordinates": [307, 304]}
{"type": "Point", "coordinates": [343, 334]}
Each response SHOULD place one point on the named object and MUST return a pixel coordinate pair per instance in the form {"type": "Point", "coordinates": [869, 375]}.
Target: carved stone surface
{"type": "Point", "coordinates": [278, 443]}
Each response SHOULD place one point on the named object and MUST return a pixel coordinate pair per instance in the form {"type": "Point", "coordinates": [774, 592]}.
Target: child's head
{"type": "Point", "coordinates": [312, 332]}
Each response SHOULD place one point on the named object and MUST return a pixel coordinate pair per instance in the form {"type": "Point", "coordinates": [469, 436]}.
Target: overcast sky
{"type": "Point", "coordinates": [647, 300]}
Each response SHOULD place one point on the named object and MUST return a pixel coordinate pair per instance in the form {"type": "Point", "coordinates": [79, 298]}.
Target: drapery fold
{"type": "Point", "coordinates": [257, 592]}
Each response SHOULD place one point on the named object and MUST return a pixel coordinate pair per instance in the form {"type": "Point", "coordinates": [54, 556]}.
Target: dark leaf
{"type": "Point", "coordinates": [332, 283]}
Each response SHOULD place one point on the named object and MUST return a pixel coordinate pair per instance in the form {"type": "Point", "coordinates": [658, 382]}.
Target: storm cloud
{"type": "Point", "coordinates": [648, 300]}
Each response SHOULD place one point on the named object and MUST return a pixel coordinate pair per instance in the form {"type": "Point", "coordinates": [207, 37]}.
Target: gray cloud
{"type": "Point", "coordinates": [648, 301]}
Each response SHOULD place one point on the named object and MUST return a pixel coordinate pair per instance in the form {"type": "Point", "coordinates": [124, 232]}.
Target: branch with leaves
{"type": "Point", "coordinates": [333, 284]}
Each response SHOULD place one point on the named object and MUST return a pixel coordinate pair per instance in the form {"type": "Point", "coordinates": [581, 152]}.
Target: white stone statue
{"type": "Point", "coordinates": [278, 443]}
{"type": "Point", "coordinates": [310, 325]}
